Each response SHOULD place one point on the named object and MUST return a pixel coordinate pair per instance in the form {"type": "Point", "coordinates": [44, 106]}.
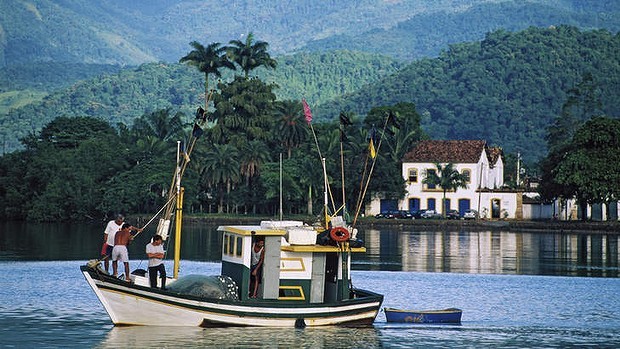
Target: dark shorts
{"type": "Point", "coordinates": [259, 274]}
{"type": "Point", "coordinates": [108, 251]}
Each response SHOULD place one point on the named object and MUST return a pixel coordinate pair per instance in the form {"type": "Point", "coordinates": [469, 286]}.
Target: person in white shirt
{"type": "Point", "coordinates": [155, 252]}
{"type": "Point", "coordinates": [108, 237]}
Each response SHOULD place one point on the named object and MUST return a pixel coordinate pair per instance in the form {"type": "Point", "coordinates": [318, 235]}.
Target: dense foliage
{"type": "Point", "coordinates": [506, 89]}
{"type": "Point", "coordinates": [82, 168]}
{"type": "Point", "coordinates": [131, 92]}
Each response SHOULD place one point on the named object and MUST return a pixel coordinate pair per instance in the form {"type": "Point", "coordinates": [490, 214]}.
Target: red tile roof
{"type": "Point", "coordinates": [446, 151]}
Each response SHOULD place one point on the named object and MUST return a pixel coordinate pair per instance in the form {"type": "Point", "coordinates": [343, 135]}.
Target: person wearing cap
{"type": "Point", "coordinates": [108, 238]}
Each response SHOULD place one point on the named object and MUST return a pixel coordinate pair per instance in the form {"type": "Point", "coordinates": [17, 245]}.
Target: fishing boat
{"type": "Point", "coordinates": [305, 277]}
{"type": "Point", "coordinates": [445, 316]}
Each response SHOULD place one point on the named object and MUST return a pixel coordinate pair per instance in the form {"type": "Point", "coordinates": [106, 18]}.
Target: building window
{"type": "Point", "coordinates": [430, 173]}
{"type": "Point", "coordinates": [430, 204]}
{"type": "Point", "coordinates": [413, 175]}
{"type": "Point", "coordinates": [467, 174]}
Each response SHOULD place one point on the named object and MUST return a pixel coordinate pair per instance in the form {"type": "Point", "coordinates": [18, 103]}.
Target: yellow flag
{"type": "Point", "coordinates": [371, 149]}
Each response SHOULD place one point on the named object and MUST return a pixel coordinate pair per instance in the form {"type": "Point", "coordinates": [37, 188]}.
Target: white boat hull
{"type": "Point", "coordinates": [130, 304]}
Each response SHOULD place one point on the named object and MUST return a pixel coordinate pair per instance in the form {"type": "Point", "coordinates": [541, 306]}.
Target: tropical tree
{"type": "Point", "coordinates": [292, 127]}
{"type": "Point", "coordinates": [250, 55]}
{"type": "Point", "coordinates": [208, 60]}
{"type": "Point", "coordinates": [591, 166]}
{"type": "Point", "coordinates": [221, 170]}
{"type": "Point", "coordinates": [448, 178]}
{"type": "Point", "coordinates": [251, 158]}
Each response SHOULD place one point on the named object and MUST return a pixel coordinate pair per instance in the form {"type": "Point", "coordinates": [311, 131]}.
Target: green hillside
{"type": "Point", "coordinates": [427, 34]}
{"type": "Point", "coordinates": [506, 89]}
{"type": "Point", "coordinates": [135, 32]}
{"type": "Point", "coordinates": [132, 92]}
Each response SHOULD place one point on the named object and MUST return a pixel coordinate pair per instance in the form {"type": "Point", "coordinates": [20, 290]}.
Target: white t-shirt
{"type": "Point", "coordinates": [150, 248]}
{"type": "Point", "coordinates": [111, 230]}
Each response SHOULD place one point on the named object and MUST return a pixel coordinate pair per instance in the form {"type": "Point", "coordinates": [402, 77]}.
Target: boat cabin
{"type": "Point", "coordinates": [295, 267]}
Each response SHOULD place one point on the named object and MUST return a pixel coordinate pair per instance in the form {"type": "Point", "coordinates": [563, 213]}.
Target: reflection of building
{"type": "Point", "coordinates": [495, 252]}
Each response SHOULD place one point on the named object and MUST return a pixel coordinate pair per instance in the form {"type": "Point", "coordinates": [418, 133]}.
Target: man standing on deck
{"type": "Point", "coordinates": [121, 239]}
{"type": "Point", "coordinates": [108, 237]}
{"type": "Point", "coordinates": [155, 252]}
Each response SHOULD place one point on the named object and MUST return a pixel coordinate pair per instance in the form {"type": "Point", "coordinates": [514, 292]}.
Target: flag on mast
{"type": "Point", "coordinates": [307, 111]}
{"type": "Point", "coordinates": [371, 149]}
{"type": "Point", "coordinates": [371, 144]}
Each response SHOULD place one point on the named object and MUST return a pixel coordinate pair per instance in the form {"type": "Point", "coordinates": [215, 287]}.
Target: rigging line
{"type": "Point", "coordinates": [156, 214]}
{"type": "Point", "coordinates": [358, 205]}
{"type": "Point", "coordinates": [372, 167]}
{"type": "Point", "coordinates": [316, 141]}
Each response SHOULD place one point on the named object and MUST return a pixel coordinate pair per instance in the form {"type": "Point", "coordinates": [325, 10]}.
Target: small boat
{"type": "Point", "coordinates": [445, 316]}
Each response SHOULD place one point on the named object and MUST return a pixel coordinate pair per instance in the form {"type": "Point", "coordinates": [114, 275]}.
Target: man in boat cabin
{"type": "Point", "coordinates": [108, 238]}
{"type": "Point", "coordinates": [155, 252]}
{"type": "Point", "coordinates": [122, 238]}
{"type": "Point", "coordinates": [256, 269]}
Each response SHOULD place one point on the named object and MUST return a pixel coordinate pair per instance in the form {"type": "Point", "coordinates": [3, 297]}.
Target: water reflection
{"type": "Point", "coordinates": [497, 252]}
{"type": "Point", "coordinates": [190, 337]}
{"type": "Point", "coordinates": [494, 252]}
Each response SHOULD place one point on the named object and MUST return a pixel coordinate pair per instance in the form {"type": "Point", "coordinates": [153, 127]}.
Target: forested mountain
{"type": "Point", "coordinates": [134, 32]}
{"type": "Point", "coordinates": [506, 89]}
{"type": "Point", "coordinates": [132, 92]}
{"type": "Point", "coordinates": [426, 34]}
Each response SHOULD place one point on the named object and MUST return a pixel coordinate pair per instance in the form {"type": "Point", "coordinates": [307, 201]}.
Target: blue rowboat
{"type": "Point", "coordinates": [445, 316]}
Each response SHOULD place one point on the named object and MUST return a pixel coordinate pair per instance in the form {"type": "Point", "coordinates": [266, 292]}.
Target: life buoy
{"type": "Point", "coordinates": [339, 234]}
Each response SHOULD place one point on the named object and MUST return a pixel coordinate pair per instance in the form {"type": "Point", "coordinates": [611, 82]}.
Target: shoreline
{"type": "Point", "coordinates": [590, 227]}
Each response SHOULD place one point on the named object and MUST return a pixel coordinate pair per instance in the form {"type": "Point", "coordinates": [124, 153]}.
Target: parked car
{"type": "Point", "coordinates": [403, 214]}
{"type": "Point", "coordinates": [429, 214]}
{"type": "Point", "coordinates": [385, 214]}
{"type": "Point", "coordinates": [453, 214]}
{"type": "Point", "coordinates": [470, 214]}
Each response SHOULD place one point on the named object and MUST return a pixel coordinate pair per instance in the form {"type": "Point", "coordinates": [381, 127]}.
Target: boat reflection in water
{"type": "Point", "coordinates": [235, 337]}
{"type": "Point", "coordinates": [493, 252]}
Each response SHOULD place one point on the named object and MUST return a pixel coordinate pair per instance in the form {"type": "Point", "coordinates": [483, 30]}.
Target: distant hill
{"type": "Point", "coordinates": [135, 32]}
{"type": "Point", "coordinates": [427, 34]}
{"type": "Point", "coordinates": [505, 89]}
{"type": "Point", "coordinates": [132, 92]}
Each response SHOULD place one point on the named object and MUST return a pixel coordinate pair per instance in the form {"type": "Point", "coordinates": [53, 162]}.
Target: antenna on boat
{"type": "Point", "coordinates": [280, 186]}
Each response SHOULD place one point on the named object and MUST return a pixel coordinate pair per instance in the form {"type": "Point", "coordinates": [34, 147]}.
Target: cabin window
{"type": "Point", "coordinates": [467, 174]}
{"type": "Point", "coordinates": [413, 175]}
{"type": "Point", "coordinates": [225, 244]}
{"type": "Point", "coordinates": [231, 245]}
{"type": "Point", "coordinates": [291, 293]}
{"type": "Point", "coordinates": [239, 249]}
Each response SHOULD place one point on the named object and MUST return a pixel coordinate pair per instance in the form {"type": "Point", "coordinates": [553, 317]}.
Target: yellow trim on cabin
{"type": "Point", "coordinates": [298, 259]}
{"type": "Point", "coordinates": [247, 230]}
{"type": "Point", "coordinates": [318, 248]}
{"type": "Point", "coordinates": [302, 297]}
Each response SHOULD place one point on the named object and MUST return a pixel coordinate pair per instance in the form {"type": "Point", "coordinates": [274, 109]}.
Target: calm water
{"type": "Point", "coordinates": [516, 290]}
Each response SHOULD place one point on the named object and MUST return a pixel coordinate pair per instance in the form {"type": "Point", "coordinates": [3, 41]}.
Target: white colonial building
{"type": "Point", "coordinates": [484, 167]}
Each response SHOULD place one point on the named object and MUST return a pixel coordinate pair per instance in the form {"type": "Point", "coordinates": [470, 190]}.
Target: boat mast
{"type": "Point", "coordinates": [178, 217]}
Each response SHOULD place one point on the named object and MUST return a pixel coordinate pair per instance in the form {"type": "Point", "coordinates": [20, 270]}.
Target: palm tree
{"type": "Point", "coordinates": [221, 169]}
{"type": "Point", "coordinates": [250, 55]}
{"type": "Point", "coordinates": [292, 128]}
{"type": "Point", "coordinates": [208, 60]}
{"type": "Point", "coordinates": [253, 155]}
{"type": "Point", "coordinates": [448, 178]}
